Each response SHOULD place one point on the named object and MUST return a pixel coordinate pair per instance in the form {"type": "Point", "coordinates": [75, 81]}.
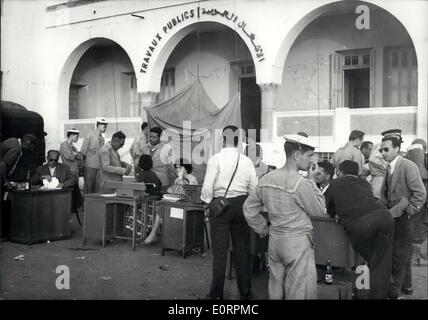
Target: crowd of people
{"type": "Point", "coordinates": [377, 192]}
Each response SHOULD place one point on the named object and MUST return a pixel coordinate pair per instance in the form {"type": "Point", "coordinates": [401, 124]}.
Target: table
{"type": "Point", "coordinates": [332, 243]}
{"type": "Point", "coordinates": [183, 225]}
{"type": "Point", "coordinates": [40, 215]}
{"type": "Point", "coordinates": [105, 217]}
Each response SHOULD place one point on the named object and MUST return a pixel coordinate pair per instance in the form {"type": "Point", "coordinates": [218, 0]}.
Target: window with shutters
{"type": "Point", "coordinates": [352, 79]}
{"type": "Point", "coordinates": [400, 77]}
{"type": "Point", "coordinates": [167, 89]}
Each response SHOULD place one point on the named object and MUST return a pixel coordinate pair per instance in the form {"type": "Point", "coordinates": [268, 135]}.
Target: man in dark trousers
{"type": "Point", "coordinates": [231, 223]}
{"type": "Point", "coordinates": [54, 169]}
{"type": "Point", "coordinates": [404, 194]}
{"type": "Point", "coordinates": [368, 223]}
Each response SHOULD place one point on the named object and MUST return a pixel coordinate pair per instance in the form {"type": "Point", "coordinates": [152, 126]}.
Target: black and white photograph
{"type": "Point", "coordinates": [213, 150]}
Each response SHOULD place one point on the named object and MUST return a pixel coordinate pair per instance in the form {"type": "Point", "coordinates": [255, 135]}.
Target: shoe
{"type": "Point", "coordinates": [209, 297]}
{"type": "Point", "coordinates": [407, 291]}
{"type": "Point", "coordinates": [248, 296]}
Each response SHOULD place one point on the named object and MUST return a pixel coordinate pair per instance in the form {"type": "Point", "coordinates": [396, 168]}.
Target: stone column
{"type": "Point", "coordinates": [268, 91]}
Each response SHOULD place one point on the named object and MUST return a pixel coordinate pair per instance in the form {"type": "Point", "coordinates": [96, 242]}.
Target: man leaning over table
{"type": "Point", "coordinates": [53, 169]}
{"type": "Point", "coordinates": [290, 200]}
{"type": "Point", "coordinates": [112, 167]}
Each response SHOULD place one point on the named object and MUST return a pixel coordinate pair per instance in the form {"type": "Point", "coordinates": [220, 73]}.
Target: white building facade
{"type": "Point", "coordinates": [319, 66]}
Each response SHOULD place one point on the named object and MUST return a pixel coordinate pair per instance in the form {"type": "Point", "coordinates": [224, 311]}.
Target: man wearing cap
{"type": "Point", "coordinates": [90, 151]}
{"type": "Point", "coordinates": [290, 200]}
{"type": "Point", "coordinates": [112, 167]}
{"type": "Point", "coordinates": [350, 151]}
{"type": "Point", "coordinates": [136, 149]}
{"type": "Point", "coordinates": [71, 157]}
{"type": "Point", "coordinates": [404, 194]}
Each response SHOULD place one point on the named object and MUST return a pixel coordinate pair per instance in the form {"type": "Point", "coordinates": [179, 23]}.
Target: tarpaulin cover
{"type": "Point", "coordinates": [190, 121]}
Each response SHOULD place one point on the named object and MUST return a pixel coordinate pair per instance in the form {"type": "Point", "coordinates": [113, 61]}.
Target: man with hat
{"type": "Point", "coordinates": [72, 158]}
{"type": "Point", "coordinates": [290, 200]}
{"type": "Point", "coordinates": [404, 194]}
{"type": "Point", "coordinates": [90, 151]}
{"type": "Point", "coordinates": [350, 151]}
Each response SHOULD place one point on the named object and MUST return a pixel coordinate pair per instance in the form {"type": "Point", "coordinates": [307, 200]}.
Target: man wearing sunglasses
{"type": "Point", "coordinates": [54, 169]}
{"type": "Point", "coordinates": [404, 194]}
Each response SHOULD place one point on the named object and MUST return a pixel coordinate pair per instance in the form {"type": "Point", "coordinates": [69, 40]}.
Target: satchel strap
{"type": "Point", "coordinates": [233, 175]}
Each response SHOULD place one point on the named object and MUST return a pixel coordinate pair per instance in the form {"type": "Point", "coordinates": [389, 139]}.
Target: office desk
{"type": "Point", "coordinates": [40, 215]}
{"type": "Point", "coordinates": [105, 217]}
{"type": "Point", "coordinates": [332, 243]}
{"type": "Point", "coordinates": [183, 226]}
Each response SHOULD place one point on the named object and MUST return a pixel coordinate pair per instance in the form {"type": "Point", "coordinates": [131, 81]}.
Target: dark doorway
{"type": "Point", "coordinates": [357, 88]}
{"type": "Point", "coordinates": [250, 105]}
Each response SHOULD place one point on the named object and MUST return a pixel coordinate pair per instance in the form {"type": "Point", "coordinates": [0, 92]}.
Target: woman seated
{"type": "Point", "coordinates": [148, 177]}
{"type": "Point", "coordinates": [183, 171]}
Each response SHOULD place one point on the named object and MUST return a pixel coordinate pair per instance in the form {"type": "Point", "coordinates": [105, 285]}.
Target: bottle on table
{"type": "Point", "coordinates": [328, 274]}
{"type": "Point", "coordinates": [28, 181]}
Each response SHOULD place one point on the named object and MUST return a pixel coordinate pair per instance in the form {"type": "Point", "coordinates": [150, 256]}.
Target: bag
{"type": "Point", "coordinates": [220, 204]}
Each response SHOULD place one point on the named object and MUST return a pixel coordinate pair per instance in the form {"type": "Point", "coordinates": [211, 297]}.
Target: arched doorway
{"type": "Point", "coordinates": [338, 77]}
{"type": "Point", "coordinates": [218, 56]}
{"type": "Point", "coordinates": [98, 79]}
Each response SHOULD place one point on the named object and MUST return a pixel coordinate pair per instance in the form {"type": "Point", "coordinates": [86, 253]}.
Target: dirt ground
{"type": "Point", "coordinates": [117, 272]}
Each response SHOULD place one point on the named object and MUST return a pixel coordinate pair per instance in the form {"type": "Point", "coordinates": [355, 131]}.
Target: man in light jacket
{"type": "Point", "coordinates": [112, 168]}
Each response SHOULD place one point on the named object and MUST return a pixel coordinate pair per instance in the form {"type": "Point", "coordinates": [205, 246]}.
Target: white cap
{"type": "Point", "coordinates": [296, 138]}
{"type": "Point", "coordinates": [101, 120]}
{"type": "Point", "coordinates": [73, 130]}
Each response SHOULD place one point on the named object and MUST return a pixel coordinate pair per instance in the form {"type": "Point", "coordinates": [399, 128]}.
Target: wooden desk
{"type": "Point", "coordinates": [183, 226]}
{"type": "Point", "coordinates": [40, 215]}
{"type": "Point", "coordinates": [330, 240]}
{"type": "Point", "coordinates": [105, 217]}
{"type": "Point", "coordinates": [332, 243]}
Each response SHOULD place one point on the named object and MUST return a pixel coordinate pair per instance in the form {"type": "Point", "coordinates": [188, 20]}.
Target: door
{"type": "Point", "coordinates": [250, 105]}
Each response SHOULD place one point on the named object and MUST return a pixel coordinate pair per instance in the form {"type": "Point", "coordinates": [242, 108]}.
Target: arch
{"type": "Point", "coordinates": [303, 22]}
{"type": "Point", "coordinates": [150, 81]}
{"type": "Point", "coordinates": [68, 68]}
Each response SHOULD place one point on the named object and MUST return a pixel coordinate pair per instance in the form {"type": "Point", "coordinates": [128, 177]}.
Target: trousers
{"type": "Point", "coordinates": [401, 253]}
{"type": "Point", "coordinates": [371, 236]}
{"type": "Point", "coordinates": [292, 270]}
{"type": "Point", "coordinates": [92, 180]}
{"type": "Point", "coordinates": [232, 224]}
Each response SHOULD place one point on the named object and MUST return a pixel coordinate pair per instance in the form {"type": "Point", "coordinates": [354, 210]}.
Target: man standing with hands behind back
{"type": "Point", "coordinates": [404, 194]}
{"type": "Point", "coordinates": [90, 151]}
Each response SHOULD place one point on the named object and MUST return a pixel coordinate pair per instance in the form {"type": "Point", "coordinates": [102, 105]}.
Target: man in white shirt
{"type": "Point", "coordinates": [232, 222]}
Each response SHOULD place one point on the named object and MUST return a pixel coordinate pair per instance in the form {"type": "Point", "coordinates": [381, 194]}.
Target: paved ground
{"type": "Point", "coordinates": [116, 272]}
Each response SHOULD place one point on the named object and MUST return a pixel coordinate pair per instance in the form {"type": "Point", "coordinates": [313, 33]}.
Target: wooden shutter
{"type": "Point", "coordinates": [336, 80]}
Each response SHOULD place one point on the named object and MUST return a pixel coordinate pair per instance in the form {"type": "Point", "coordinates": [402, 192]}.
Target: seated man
{"type": "Point", "coordinates": [112, 167]}
{"type": "Point", "coordinates": [54, 169]}
{"type": "Point", "coordinates": [323, 178]}
{"type": "Point", "coordinates": [368, 222]}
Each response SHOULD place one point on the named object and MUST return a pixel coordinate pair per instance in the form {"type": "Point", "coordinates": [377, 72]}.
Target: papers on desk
{"type": "Point", "coordinates": [172, 197]}
{"type": "Point", "coordinates": [176, 213]}
{"type": "Point", "coordinates": [108, 195]}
